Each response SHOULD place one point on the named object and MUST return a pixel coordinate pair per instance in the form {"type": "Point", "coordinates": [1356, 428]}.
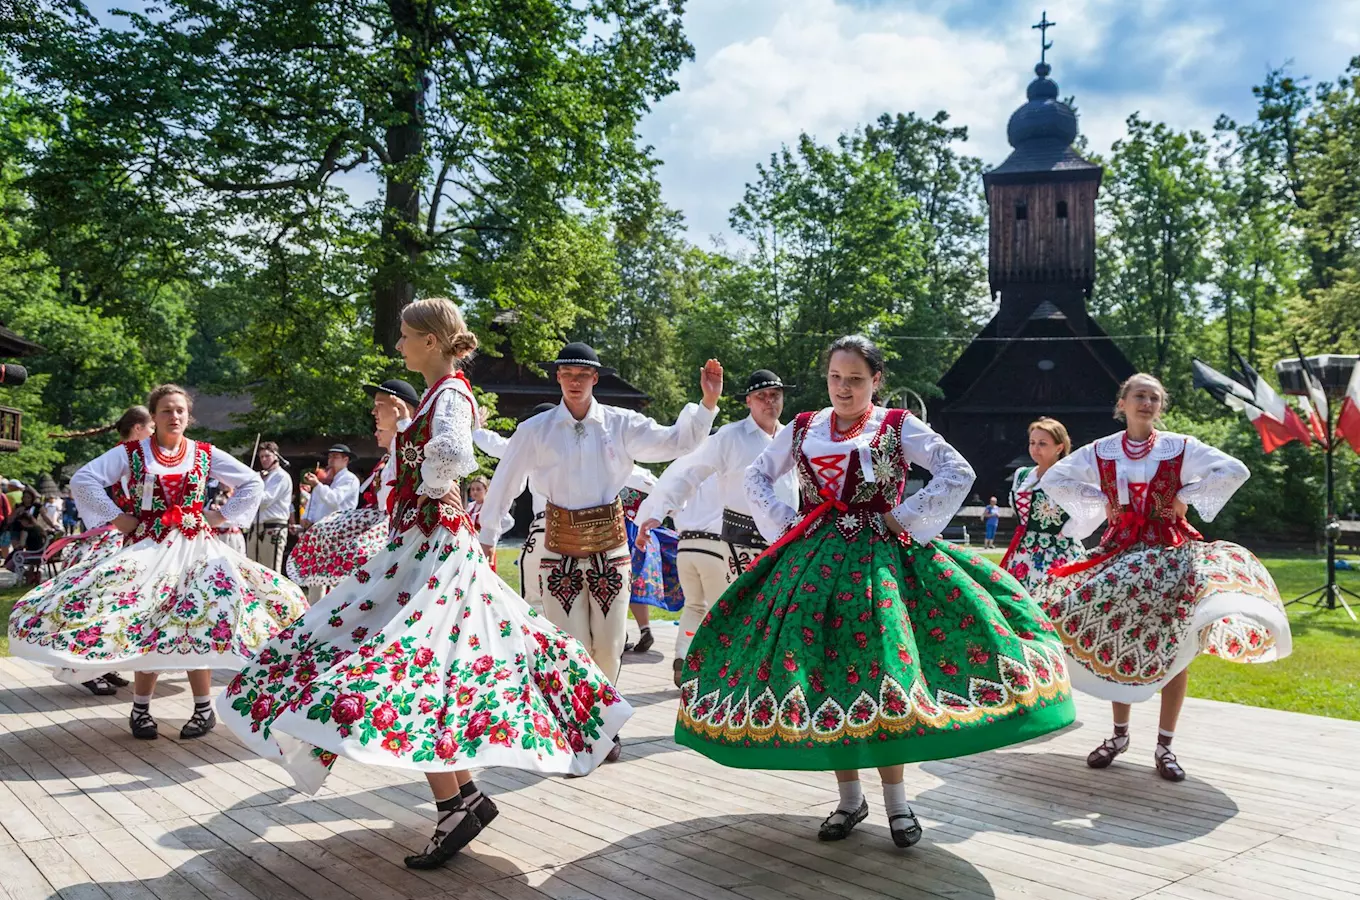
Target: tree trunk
{"type": "Point", "coordinates": [401, 239]}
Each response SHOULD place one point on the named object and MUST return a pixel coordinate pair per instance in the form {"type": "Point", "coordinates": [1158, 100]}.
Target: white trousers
{"type": "Point", "coordinates": [587, 598]}
{"type": "Point", "coordinates": [265, 545]}
{"type": "Point", "coordinates": [706, 567]}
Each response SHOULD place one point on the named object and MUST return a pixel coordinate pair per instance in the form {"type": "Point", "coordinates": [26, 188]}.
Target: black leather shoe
{"type": "Point", "coordinates": [644, 641]}
{"type": "Point", "coordinates": [615, 752]}
{"type": "Point", "coordinates": [100, 687]}
{"type": "Point", "coordinates": [198, 725]}
{"type": "Point", "coordinates": [116, 680]}
{"type": "Point", "coordinates": [906, 830]}
{"type": "Point", "coordinates": [840, 823]}
{"type": "Point", "coordinates": [486, 810]}
{"type": "Point", "coordinates": [459, 837]}
{"type": "Point", "coordinates": [143, 726]}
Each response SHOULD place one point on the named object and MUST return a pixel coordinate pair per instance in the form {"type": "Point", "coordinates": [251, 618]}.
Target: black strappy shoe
{"type": "Point", "coordinates": [906, 830]}
{"type": "Point", "coordinates": [840, 823]}
{"type": "Point", "coordinates": [441, 850]}
{"type": "Point", "coordinates": [615, 752]}
{"type": "Point", "coordinates": [643, 644]}
{"type": "Point", "coordinates": [198, 725]}
{"type": "Point", "coordinates": [1167, 767]}
{"type": "Point", "coordinates": [1102, 756]}
{"type": "Point", "coordinates": [115, 679]}
{"type": "Point", "coordinates": [100, 687]}
{"type": "Point", "coordinates": [143, 726]}
{"type": "Point", "coordinates": [486, 810]}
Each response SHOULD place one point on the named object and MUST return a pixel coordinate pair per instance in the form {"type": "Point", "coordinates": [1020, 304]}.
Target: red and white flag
{"type": "Point", "coordinates": [1273, 405]}
{"type": "Point", "coordinates": [1240, 398]}
{"type": "Point", "coordinates": [1316, 409]}
{"type": "Point", "coordinates": [1348, 422]}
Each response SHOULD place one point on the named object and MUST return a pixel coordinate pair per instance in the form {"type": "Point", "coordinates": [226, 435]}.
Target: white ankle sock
{"type": "Point", "coordinates": [895, 799]}
{"type": "Point", "coordinates": [852, 796]}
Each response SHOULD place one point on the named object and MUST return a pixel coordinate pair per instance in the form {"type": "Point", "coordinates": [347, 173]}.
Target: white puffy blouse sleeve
{"type": "Point", "coordinates": [773, 516]}
{"type": "Point", "coordinates": [90, 484]}
{"type": "Point", "coordinates": [248, 487]}
{"type": "Point", "coordinates": [1074, 484]}
{"type": "Point", "coordinates": [448, 454]}
{"type": "Point", "coordinates": [1209, 478]}
{"type": "Point", "coordinates": [926, 513]}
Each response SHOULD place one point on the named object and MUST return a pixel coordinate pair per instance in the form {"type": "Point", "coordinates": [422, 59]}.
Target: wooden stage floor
{"type": "Point", "coordinates": [1271, 809]}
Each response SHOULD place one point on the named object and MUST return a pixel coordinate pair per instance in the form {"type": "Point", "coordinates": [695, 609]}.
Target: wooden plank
{"type": "Point", "coordinates": [22, 879]}
{"type": "Point", "coordinates": [68, 879]}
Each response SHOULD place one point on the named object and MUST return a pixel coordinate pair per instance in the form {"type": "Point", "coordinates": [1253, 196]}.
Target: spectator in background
{"type": "Point", "coordinates": [991, 518]}
{"type": "Point", "coordinates": [70, 515]}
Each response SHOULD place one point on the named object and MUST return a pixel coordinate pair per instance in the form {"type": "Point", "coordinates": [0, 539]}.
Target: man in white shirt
{"type": "Point", "coordinates": [579, 457]}
{"type": "Point", "coordinates": [704, 492]}
{"type": "Point", "coordinates": [494, 445]}
{"type": "Point", "coordinates": [269, 533]}
{"type": "Point", "coordinates": [342, 492]}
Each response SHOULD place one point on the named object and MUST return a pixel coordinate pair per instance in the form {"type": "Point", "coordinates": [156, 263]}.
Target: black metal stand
{"type": "Point", "coordinates": [1331, 593]}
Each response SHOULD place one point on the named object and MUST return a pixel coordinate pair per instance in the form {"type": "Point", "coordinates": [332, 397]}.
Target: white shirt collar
{"type": "Point", "coordinates": [594, 414]}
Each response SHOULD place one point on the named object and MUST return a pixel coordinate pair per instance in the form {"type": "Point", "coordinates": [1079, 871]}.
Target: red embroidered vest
{"type": "Point", "coordinates": [176, 500]}
{"type": "Point", "coordinates": [864, 500]}
{"type": "Point", "coordinates": [410, 508]}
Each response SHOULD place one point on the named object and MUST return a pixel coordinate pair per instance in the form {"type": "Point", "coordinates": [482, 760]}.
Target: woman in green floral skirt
{"type": "Point", "coordinates": [858, 639]}
{"type": "Point", "coordinates": [1039, 542]}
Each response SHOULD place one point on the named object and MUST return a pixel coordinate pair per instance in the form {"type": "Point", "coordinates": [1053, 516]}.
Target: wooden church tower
{"type": "Point", "coordinates": [1041, 354]}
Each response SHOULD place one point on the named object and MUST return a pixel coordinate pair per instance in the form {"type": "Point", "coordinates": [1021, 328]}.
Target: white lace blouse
{"type": "Point", "coordinates": [1209, 478]}
{"type": "Point", "coordinates": [923, 514]}
{"type": "Point", "coordinates": [447, 456]}
{"type": "Point", "coordinates": [90, 483]}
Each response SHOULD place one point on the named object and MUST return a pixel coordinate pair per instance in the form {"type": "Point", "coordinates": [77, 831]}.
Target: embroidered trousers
{"type": "Point", "coordinates": [266, 544]}
{"type": "Point", "coordinates": [587, 598]}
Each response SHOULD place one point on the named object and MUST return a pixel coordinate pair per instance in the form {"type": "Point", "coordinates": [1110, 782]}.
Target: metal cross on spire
{"type": "Point", "coordinates": [1045, 45]}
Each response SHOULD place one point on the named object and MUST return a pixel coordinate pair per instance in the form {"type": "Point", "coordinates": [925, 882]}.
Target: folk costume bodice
{"type": "Point", "coordinates": [1143, 490]}
{"type": "Point", "coordinates": [863, 475]}
{"type": "Point", "coordinates": [432, 454]}
{"type": "Point", "coordinates": [165, 497]}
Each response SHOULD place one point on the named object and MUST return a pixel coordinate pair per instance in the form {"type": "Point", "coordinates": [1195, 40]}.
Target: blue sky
{"type": "Point", "coordinates": [767, 69]}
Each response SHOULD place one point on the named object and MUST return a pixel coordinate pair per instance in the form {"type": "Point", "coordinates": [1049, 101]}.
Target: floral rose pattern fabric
{"type": "Point", "coordinates": [167, 601]}
{"type": "Point", "coordinates": [851, 646]}
{"type": "Point", "coordinates": [424, 659]}
{"type": "Point", "coordinates": [332, 548]}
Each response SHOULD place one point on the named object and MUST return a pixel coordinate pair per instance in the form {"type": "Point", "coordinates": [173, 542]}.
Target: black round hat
{"type": "Point", "coordinates": [763, 379]}
{"type": "Point", "coordinates": [578, 353]}
{"type": "Point", "coordinates": [402, 390]}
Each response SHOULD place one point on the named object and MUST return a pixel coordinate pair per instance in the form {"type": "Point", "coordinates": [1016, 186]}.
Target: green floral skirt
{"type": "Point", "coordinates": [844, 654]}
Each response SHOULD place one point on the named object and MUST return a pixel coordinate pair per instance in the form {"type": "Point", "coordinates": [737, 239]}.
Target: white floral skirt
{"type": "Point", "coordinates": [328, 551]}
{"type": "Point", "coordinates": [1135, 621]}
{"type": "Point", "coordinates": [423, 659]}
{"type": "Point", "coordinates": [185, 603]}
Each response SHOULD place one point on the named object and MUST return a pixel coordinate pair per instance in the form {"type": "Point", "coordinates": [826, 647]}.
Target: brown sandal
{"type": "Point", "coordinates": [1102, 756]}
{"type": "Point", "coordinates": [1167, 767]}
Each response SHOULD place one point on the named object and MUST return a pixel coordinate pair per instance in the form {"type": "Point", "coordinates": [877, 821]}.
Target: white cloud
{"type": "Point", "coordinates": [769, 69]}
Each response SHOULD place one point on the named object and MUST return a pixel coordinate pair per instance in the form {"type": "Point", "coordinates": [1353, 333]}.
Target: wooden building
{"type": "Point", "coordinates": [1042, 354]}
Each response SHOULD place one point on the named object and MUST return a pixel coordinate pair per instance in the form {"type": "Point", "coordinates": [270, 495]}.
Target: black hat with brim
{"type": "Point", "coordinates": [397, 388]}
{"type": "Point", "coordinates": [764, 379]}
{"type": "Point", "coordinates": [542, 408]}
{"type": "Point", "coordinates": [341, 448]}
{"type": "Point", "coordinates": [578, 353]}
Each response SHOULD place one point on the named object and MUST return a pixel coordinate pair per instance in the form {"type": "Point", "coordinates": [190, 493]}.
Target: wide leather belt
{"type": "Point", "coordinates": [741, 530]}
{"type": "Point", "coordinates": [584, 532]}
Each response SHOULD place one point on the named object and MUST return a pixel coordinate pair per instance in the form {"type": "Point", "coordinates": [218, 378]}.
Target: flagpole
{"type": "Point", "coordinates": [1332, 593]}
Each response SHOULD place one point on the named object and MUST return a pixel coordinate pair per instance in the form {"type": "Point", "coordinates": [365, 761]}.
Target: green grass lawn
{"type": "Point", "coordinates": [1320, 677]}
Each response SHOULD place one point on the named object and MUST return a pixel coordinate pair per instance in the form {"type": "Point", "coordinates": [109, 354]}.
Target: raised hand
{"type": "Point", "coordinates": [711, 382]}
